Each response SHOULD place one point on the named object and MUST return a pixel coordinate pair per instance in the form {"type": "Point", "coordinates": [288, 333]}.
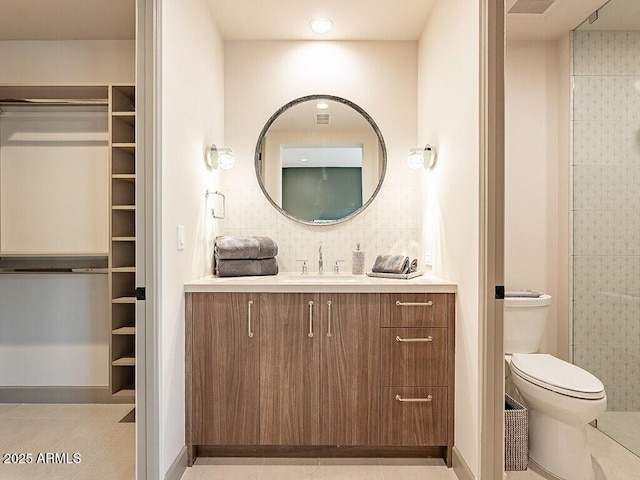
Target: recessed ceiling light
{"type": "Point", "coordinates": [322, 105]}
{"type": "Point", "coordinates": [303, 159]}
{"type": "Point", "coordinates": [321, 25]}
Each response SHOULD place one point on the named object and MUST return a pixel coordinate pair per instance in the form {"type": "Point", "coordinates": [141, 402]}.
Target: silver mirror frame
{"type": "Point", "coordinates": [315, 97]}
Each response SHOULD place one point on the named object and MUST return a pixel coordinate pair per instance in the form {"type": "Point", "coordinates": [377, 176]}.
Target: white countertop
{"type": "Point", "coordinates": [327, 283]}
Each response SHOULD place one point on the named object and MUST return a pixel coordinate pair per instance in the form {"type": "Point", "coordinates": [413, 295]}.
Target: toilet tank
{"type": "Point", "coordinates": [525, 320]}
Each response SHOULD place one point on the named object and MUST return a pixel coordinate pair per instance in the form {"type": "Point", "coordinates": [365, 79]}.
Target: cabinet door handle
{"type": "Point", "coordinates": [249, 305]}
{"type": "Point", "coordinates": [429, 398]}
{"type": "Point", "coordinates": [310, 318]}
{"type": "Point", "coordinates": [423, 339]}
{"type": "Point", "coordinates": [414, 304]}
{"type": "Point", "coordinates": [329, 334]}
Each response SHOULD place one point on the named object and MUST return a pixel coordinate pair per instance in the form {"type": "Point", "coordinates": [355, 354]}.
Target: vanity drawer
{"type": "Point", "coordinates": [414, 416]}
{"type": "Point", "coordinates": [414, 357]}
{"type": "Point", "coordinates": [416, 309]}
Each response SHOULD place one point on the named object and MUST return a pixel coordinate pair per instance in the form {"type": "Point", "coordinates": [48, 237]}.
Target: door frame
{"type": "Point", "coordinates": [491, 268]}
{"type": "Point", "coordinates": [147, 232]}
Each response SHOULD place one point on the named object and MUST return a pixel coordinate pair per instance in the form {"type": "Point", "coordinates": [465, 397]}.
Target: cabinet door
{"type": "Point", "coordinates": [349, 369]}
{"type": "Point", "coordinates": [225, 369]}
{"type": "Point", "coordinates": [289, 369]}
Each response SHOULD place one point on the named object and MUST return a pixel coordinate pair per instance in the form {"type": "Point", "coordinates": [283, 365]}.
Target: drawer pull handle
{"type": "Point", "coordinates": [414, 304]}
{"type": "Point", "coordinates": [310, 318]}
{"type": "Point", "coordinates": [424, 339]}
{"type": "Point", "coordinates": [428, 399]}
{"type": "Point", "coordinates": [249, 305]}
{"type": "Point", "coordinates": [329, 334]}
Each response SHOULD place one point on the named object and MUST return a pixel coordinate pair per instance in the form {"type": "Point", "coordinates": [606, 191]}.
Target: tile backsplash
{"type": "Point", "coordinates": [606, 212]}
{"type": "Point", "coordinates": [391, 224]}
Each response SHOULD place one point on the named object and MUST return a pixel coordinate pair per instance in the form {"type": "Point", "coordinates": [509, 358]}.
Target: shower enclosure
{"type": "Point", "coordinates": [606, 213]}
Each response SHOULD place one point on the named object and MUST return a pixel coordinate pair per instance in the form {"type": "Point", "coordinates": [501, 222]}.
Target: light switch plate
{"type": "Point", "coordinates": [428, 259]}
{"type": "Point", "coordinates": [180, 237]}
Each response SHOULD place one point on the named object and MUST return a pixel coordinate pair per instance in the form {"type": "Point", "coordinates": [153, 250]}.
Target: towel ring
{"type": "Point", "coordinates": [224, 208]}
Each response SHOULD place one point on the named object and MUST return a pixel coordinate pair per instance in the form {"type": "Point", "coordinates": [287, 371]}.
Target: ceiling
{"type": "Point", "coordinates": [67, 19]}
{"type": "Point", "coordinates": [352, 19]}
{"type": "Point", "coordinates": [289, 19]}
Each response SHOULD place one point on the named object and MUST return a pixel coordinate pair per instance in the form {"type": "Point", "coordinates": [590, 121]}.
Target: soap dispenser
{"type": "Point", "coordinates": [357, 262]}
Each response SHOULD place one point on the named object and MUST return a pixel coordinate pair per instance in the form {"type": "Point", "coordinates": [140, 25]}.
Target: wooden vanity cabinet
{"type": "Point", "coordinates": [315, 372]}
{"type": "Point", "coordinates": [289, 369]}
{"type": "Point", "coordinates": [223, 369]}
{"type": "Point", "coordinates": [349, 369]}
{"type": "Point", "coordinates": [417, 373]}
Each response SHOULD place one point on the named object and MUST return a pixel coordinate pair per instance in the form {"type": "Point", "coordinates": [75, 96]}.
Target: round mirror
{"type": "Point", "coordinates": [320, 159]}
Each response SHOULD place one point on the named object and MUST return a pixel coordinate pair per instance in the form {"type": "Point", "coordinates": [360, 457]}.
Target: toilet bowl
{"type": "Point", "coordinates": [562, 398]}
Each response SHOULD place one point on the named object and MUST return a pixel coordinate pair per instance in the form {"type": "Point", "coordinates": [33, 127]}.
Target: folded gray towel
{"type": "Point", "coordinates": [413, 266]}
{"type": "Point", "coordinates": [392, 264]}
{"type": "Point", "coordinates": [231, 247]}
{"type": "Point", "coordinates": [246, 267]}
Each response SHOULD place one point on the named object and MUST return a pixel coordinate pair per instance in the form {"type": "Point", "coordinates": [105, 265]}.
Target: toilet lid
{"type": "Point", "coordinates": [557, 375]}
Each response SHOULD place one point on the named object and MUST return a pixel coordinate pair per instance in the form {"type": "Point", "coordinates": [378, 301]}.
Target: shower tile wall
{"type": "Point", "coordinates": [606, 212]}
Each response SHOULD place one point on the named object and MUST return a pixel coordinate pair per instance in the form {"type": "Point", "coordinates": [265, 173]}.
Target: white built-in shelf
{"type": "Point", "coordinates": [121, 263]}
{"type": "Point", "coordinates": [127, 117]}
{"type": "Point", "coordinates": [124, 300]}
{"type": "Point", "coordinates": [124, 269]}
{"type": "Point", "coordinates": [125, 392]}
{"type": "Point", "coordinates": [124, 331]}
{"type": "Point", "coordinates": [127, 177]}
{"type": "Point", "coordinates": [124, 362]}
{"type": "Point", "coordinates": [130, 148]}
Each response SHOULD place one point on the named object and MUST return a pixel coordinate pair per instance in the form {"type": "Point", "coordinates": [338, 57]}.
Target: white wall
{"type": "Point", "coordinates": [69, 61]}
{"type": "Point", "coordinates": [536, 177]}
{"type": "Point", "coordinates": [54, 330]}
{"type": "Point", "coordinates": [380, 77]}
{"type": "Point", "coordinates": [448, 118]}
{"type": "Point", "coordinates": [192, 117]}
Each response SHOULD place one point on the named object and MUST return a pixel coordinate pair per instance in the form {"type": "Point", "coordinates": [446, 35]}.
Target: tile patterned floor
{"type": "Point", "coordinates": [318, 469]}
{"type": "Point", "coordinates": [611, 462]}
{"type": "Point", "coordinates": [106, 446]}
{"type": "Point", "coordinates": [107, 449]}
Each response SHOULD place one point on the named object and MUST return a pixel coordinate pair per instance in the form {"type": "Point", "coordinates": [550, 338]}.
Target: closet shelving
{"type": "Point", "coordinates": [118, 101]}
{"type": "Point", "coordinates": [122, 258]}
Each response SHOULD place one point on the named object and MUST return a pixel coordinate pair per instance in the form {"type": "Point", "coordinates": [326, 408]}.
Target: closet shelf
{"type": "Point", "coordinates": [125, 362]}
{"type": "Point", "coordinates": [124, 269]}
{"type": "Point", "coordinates": [124, 331]}
{"type": "Point", "coordinates": [127, 177]}
{"type": "Point", "coordinates": [124, 300]}
{"type": "Point", "coordinates": [126, 117]}
{"type": "Point", "coordinates": [129, 148]}
{"type": "Point", "coordinates": [123, 207]}
{"type": "Point", "coordinates": [125, 392]}
{"type": "Point", "coordinates": [123, 239]}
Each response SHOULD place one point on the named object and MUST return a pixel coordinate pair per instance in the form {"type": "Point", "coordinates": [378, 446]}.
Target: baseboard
{"type": "Point", "coordinates": [178, 467]}
{"type": "Point", "coordinates": [60, 395]}
{"type": "Point", "coordinates": [460, 467]}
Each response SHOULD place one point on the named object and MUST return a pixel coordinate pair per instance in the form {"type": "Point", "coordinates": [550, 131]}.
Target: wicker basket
{"type": "Point", "coordinates": [516, 435]}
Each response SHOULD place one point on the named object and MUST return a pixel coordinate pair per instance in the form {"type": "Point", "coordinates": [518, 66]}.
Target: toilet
{"type": "Point", "coordinates": [562, 398]}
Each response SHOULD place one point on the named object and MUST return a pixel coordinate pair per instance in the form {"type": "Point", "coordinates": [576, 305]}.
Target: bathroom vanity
{"type": "Point", "coordinates": [307, 365]}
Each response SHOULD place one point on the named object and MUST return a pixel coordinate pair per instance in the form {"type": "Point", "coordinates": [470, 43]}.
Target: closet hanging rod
{"type": "Point", "coordinates": [56, 102]}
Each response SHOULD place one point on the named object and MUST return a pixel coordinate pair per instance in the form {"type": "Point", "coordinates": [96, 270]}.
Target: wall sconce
{"type": "Point", "coordinates": [219, 157]}
{"type": "Point", "coordinates": [422, 157]}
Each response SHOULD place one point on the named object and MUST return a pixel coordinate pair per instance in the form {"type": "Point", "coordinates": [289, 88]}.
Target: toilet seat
{"type": "Point", "coordinates": [556, 375]}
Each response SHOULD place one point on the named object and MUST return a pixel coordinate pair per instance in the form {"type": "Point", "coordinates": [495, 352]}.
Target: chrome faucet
{"type": "Point", "coordinates": [320, 263]}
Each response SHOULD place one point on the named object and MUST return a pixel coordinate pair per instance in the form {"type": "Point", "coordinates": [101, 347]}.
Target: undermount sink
{"type": "Point", "coordinates": [314, 279]}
